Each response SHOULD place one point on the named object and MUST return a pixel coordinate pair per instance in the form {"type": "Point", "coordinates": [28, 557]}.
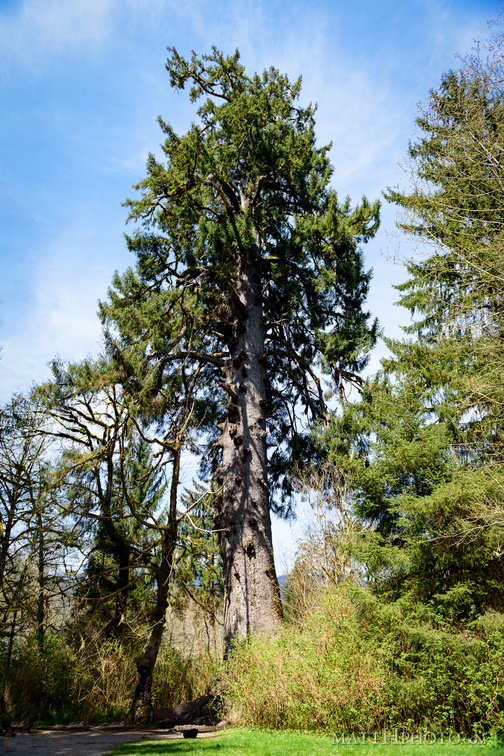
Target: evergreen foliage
{"type": "Point", "coordinates": [456, 206]}
{"type": "Point", "coordinates": [248, 174]}
{"type": "Point", "coordinates": [113, 592]}
{"type": "Point", "coordinates": [423, 449]}
{"type": "Point", "coordinates": [197, 575]}
{"type": "Point", "coordinates": [356, 664]}
{"type": "Point", "coordinates": [249, 280]}
{"type": "Point", "coordinates": [248, 294]}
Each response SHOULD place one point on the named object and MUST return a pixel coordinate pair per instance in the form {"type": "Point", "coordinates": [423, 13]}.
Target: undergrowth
{"type": "Point", "coordinates": [357, 665]}
{"type": "Point", "coordinates": [95, 684]}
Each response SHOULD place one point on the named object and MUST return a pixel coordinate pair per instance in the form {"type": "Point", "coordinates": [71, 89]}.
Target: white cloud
{"type": "Point", "coordinates": [57, 315]}
{"type": "Point", "coordinates": [42, 28]}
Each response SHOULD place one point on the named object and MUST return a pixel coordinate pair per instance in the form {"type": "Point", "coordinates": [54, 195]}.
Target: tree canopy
{"type": "Point", "coordinates": [423, 450]}
{"type": "Point", "coordinates": [249, 276]}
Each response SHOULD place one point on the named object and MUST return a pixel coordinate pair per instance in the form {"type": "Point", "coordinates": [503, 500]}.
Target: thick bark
{"type": "Point", "coordinates": [251, 593]}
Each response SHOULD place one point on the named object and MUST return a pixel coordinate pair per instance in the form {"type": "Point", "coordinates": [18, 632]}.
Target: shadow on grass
{"type": "Point", "coordinates": [160, 747]}
{"type": "Point", "coordinates": [285, 743]}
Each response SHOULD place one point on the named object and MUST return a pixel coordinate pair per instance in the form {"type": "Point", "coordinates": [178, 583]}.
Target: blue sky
{"type": "Point", "coordinates": [81, 85]}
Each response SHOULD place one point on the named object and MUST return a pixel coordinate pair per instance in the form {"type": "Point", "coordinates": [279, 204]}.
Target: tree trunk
{"type": "Point", "coordinates": [141, 706]}
{"type": "Point", "coordinates": [41, 597]}
{"type": "Point", "coordinates": [251, 593]}
{"type": "Point", "coordinates": [141, 710]}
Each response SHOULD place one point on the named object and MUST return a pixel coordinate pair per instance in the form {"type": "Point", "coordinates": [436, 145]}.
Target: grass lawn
{"type": "Point", "coordinates": [259, 743]}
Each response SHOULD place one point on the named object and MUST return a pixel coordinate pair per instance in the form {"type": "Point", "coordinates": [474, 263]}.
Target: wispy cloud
{"type": "Point", "coordinates": [39, 29]}
{"type": "Point", "coordinates": [59, 316]}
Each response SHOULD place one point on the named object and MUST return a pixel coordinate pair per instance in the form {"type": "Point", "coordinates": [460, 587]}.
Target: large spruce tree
{"type": "Point", "coordinates": [250, 276]}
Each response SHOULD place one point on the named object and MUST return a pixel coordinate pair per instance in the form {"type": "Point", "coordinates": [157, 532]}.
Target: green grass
{"type": "Point", "coordinates": [260, 743]}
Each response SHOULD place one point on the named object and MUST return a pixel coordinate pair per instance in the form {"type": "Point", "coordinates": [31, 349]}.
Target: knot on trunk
{"type": "Point", "coordinates": [250, 550]}
{"type": "Point", "coordinates": [233, 411]}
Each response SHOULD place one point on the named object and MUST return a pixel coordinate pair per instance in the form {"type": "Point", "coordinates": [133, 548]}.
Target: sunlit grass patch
{"type": "Point", "coordinates": [269, 743]}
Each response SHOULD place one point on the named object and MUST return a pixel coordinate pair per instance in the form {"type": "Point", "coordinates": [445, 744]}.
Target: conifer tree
{"type": "Point", "coordinates": [197, 578]}
{"type": "Point", "coordinates": [423, 450]}
{"type": "Point", "coordinates": [116, 578]}
{"type": "Point", "coordinates": [249, 273]}
{"type": "Point", "coordinates": [456, 206]}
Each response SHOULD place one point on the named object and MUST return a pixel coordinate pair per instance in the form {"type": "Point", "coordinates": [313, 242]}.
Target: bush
{"type": "Point", "coordinates": [96, 683]}
{"type": "Point", "coordinates": [178, 678]}
{"type": "Point", "coordinates": [40, 684]}
{"type": "Point", "coordinates": [321, 677]}
{"type": "Point", "coordinates": [442, 677]}
{"type": "Point", "coordinates": [358, 665]}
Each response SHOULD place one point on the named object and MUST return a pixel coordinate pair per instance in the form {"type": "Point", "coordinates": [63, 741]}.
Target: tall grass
{"type": "Point", "coordinates": [183, 678]}
{"type": "Point", "coordinates": [322, 677]}
{"type": "Point", "coordinates": [356, 665]}
{"type": "Point", "coordinates": [94, 683]}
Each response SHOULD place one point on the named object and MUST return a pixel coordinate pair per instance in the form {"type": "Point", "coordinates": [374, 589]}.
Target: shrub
{"type": "Point", "coordinates": [95, 683]}
{"type": "Point", "coordinates": [320, 677]}
{"type": "Point", "coordinates": [179, 678]}
{"type": "Point", "coordinates": [356, 664]}
{"type": "Point", "coordinates": [442, 676]}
